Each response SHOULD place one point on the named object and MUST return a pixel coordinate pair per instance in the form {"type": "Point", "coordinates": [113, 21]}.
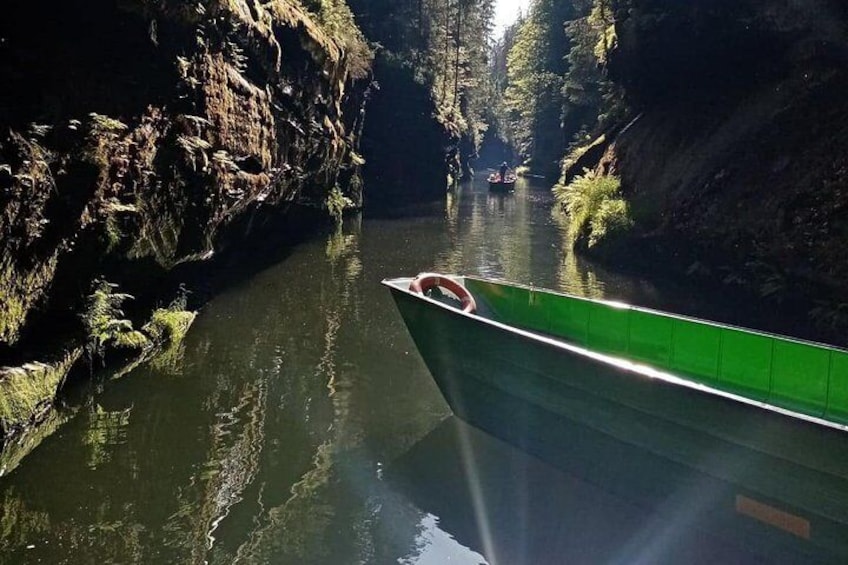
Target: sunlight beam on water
{"type": "Point", "coordinates": [656, 540]}
{"type": "Point", "coordinates": [684, 512]}
{"type": "Point", "coordinates": [523, 509]}
{"type": "Point", "coordinates": [472, 476]}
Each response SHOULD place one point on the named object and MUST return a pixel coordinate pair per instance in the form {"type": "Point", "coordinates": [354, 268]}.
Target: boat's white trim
{"type": "Point", "coordinates": [402, 284]}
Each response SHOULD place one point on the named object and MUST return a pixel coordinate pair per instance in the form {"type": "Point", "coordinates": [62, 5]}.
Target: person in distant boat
{"type": "Point", "coordinates": [504, 168]}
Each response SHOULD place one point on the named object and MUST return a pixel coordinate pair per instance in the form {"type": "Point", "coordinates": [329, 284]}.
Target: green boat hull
{"type": "Point", "coordinates": [476, 359]}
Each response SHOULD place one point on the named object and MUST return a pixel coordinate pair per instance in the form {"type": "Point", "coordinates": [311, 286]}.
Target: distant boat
{"type": "Point", "coordinates": [686, 381]}
{"type": "Point", "coordinates": [505, 184]}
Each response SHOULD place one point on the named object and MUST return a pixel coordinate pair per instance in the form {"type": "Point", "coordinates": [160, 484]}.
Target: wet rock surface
{"type": "Point", "coordinates": [138, 135]}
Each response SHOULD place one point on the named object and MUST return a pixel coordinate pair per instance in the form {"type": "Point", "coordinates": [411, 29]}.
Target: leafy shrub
{"type": "Point", "coordinates": [612, 216]}
{"type": "Point", "coordinates": [594, 206]}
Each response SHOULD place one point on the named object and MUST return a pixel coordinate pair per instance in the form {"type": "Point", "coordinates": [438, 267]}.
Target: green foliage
{"type": "Point", "coordinates": [556, 91]}
{"type": "Point", "coordinates": [27, 266]}
{"type": "Point", "coordinates": [337, 203]}
{"type": "Point", "coordinates": [443, 44]}
{"type": "Point", "coordinates": [111, 211]}
{"type": "Point", "coordinates": [496, 113]}
{"type": "Point", "coordinates": [112, 232]}
{"type": "Point", "coordinates": [102, 133]}
{"type": "Point", "coordinates": [536, 67]}
{"type": "Point", "coordinates": [132, 339]}
{"type": "Point", "coordinates": [612, 216]}
{"type": "Point", "coordinates": [584, 76]}
{"type": "Point", "coordinates": [455, 64]}
{"type": "Point", "coordinates": [587, 90]}
{"type": "Point", "coordinates": [104, 323]}
{"type": "Point", "coordinates": [21, 520]}
{"type": "Point", "coordinates": [602, 23]}
{"type": "Point", "coordinates": [337, 22]}
{"type": "Point", "coordinates": [594, 206]}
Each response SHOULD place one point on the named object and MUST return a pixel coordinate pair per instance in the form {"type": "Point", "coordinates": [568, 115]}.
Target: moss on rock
{"type": "Point", "coordinates": [168, 326]}
{"type": "Point", "coordinates": [26, 392]}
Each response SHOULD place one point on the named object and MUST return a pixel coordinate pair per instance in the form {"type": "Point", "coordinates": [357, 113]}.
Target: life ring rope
{"type": "Point", "coordinates": [426, 281]}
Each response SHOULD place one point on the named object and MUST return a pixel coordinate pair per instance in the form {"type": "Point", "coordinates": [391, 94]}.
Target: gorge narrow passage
{"type": "Point", "coordinates": [288, 428]}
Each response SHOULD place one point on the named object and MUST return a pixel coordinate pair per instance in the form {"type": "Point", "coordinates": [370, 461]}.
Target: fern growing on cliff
{"type": "Point", "coordinates": [104, 323]}
{"type": "Point", "coordinates": [594, 206]}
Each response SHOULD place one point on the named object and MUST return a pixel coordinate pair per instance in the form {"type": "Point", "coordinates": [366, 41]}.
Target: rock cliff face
{"type": "Point", "coordinates": [410, 154]}
{"type": "Point", "coordinates": [737, 158]}
{"type": "Point", "coordinates": [134, 132]}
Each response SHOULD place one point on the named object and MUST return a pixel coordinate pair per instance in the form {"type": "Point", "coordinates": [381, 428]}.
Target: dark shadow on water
{"type": "Point", "coordinates": [417, 210]}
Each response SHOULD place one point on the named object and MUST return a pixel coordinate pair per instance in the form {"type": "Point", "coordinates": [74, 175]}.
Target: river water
{"type": "Point", "coordinates": [299, 425]}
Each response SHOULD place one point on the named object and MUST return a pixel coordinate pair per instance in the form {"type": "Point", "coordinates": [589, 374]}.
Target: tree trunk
{"type": "Point", "coordinates": [446, 54]}
{"type": "Point", "coordinates": [457, 41]}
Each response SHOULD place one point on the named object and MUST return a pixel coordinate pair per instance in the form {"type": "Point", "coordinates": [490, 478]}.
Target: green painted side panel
{"type": "Point", "coordinates": [745, 364]}
{"type": "Point", "coordinates": [695, 350]}
{"type": "Point", "coordinates": [570, 318]}
{"type": "Point", "coordinates": [529, 311]}
{"type": "Point", "coordinates": [804, 377]}
{"type": "Point", "coordinates": [799, 376]}
{"type": "Point", "coordinates": [650, 338]}
{"type": "Point", "coordinates": [608, 328]}
{"type": "Point", "coordinates": [572, 321]}
{"type": "Point", "coordinates": [498, 298]}
{"type": "Point", "coordinates": [837, 397]}
{"type": "Point", "coordinates": [518, 306]}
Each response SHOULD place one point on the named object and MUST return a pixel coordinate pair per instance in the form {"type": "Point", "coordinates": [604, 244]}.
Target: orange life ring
{"type": "Point", "coordinates": [426, 281]}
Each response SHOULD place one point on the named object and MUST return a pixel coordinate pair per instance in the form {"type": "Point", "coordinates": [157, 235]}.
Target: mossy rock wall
{"type": "Point", "coordinates": [139, 145]}
{"type": "Point", "coordinates": [138, 135]}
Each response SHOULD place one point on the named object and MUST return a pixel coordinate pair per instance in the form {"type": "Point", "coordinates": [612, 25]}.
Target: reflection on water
{"type": "Point", "coordinates": [289, 427]}
{"type": "Point", "coordinates": [492, 235]}
{"type": "Point", "coordinates": [434, 546]}
{"type": "Point", "coordinates": [520, 237]}
{"type": "Point", "coordinates": [106, 430]}
{"type": "Point", "coordinates": [551, 509]}
{"type": "Point", "coordinates": [574, 276]}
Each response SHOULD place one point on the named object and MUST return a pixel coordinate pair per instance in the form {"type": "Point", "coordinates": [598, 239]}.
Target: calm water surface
{"type": "Point", "coordinates": [299, 425]}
